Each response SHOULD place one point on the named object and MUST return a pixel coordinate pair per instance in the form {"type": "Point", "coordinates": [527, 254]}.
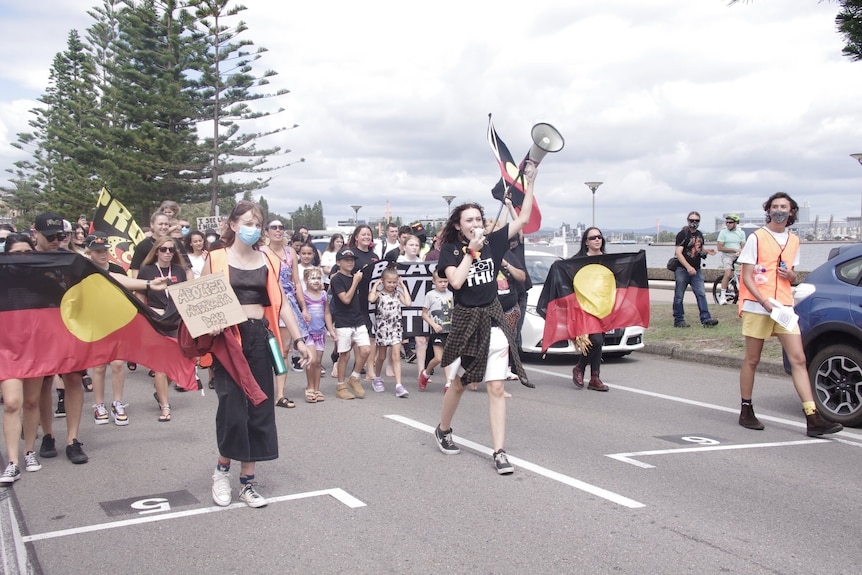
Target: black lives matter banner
{"type": "Point", "coordinates": [419, 280]}
{"type": "Point", "coordinates": [117, 223]}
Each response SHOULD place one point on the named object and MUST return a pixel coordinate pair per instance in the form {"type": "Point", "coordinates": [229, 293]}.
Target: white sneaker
{"type": "Point", "coordinates": [118, 411]}
{"type": "Point", "coordinates": [722, 300]}
{"type": "Point", "coordinates": [100, 414]}
{"type": "Point", "coordinates": [400, 391]}
{"type": "Point", "coordinates": [221, 488]}
{"type": "Point", "coordinates": [251, 497]}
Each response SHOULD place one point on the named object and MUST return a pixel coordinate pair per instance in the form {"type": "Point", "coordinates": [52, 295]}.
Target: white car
{"type": "Point", "coordinates": [618, 342]}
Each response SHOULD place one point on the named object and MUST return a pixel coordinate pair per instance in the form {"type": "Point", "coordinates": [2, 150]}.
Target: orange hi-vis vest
{"type": "Point", "coordinates": [770, 255]}
{"type": "Point", "coordinates": [218, 263]}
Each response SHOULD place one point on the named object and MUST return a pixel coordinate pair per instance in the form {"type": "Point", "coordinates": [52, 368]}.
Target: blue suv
{"type": "Point", "coordinates": [829, 304]}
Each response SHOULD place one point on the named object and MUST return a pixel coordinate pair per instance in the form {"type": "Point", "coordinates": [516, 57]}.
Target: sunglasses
{"type": "Point", "coordinates": [276, 227]}
{"type": "Point", "coordinates": [728, 222]}
{"type": "Point", "coordinates": [166, 250]}
{"type": "Point", "coordinates": [53, 237]}
{"type": "Point", "coordinates": [591, 238]}
{"type": "Point", "coordinates": [694, 221]}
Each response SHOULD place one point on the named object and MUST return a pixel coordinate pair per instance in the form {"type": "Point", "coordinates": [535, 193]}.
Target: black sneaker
{"type": "Point", "coordinates": [48, 449]}
{"type": "Point", "coordinates": [681, 324]}
{"type": "Point", "coordinates": [411, 356]}
{"type": "Point", "coordinates": [444, 441]}
{"type": "Point", "coordinates": [711, 322]}
{"type": "Point", "coordinates": [294, 363]}
{"type": "Point", "coordinates": [87, 382]}
{"type": "Point", "coordinates": [501, 463]}
{"type": "Point", "coordinates": [61, 408]}
{"type": "Point", "coordinates": [75, 453]}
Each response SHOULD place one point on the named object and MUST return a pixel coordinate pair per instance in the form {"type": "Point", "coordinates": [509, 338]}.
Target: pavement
{"type": "Point", "coordinates": [662, 292]}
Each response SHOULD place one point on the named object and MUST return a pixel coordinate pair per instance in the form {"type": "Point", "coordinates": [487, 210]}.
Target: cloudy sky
{"type": "Point", "coordinates": [676, 105]}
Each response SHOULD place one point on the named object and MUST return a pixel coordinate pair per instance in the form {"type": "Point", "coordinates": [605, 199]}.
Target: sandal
{"type": "Point", "coordinates": [166, 413]}
{"type": "Point", "coordinates": [310, 397]}
{"type": "Point", "coordinates": [319, 396]}
{"type": "Point", "coordinates": [284, 402]}
{"type": "Point", "coordinates": [131, 365]}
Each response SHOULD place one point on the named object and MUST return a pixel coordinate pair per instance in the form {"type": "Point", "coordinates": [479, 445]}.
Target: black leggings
{"type": "Point", "coordinates": [594, 357]}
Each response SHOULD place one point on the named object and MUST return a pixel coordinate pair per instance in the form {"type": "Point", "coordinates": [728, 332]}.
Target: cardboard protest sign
{"type": "Point", "coordinates": [207, 302]}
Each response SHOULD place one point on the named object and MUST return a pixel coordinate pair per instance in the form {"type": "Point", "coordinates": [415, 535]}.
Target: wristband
{"type": "Point", "coordinates": [473, 253]}
{"type": "Point", "coordinates": [296, 343]}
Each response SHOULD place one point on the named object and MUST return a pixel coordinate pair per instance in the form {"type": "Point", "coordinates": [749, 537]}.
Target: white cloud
{"type": "Point", "coordinates": [674, 105]}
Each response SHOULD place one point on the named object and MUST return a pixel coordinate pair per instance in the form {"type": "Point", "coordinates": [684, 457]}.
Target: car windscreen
{"type": "Point", "coordinates": [538, 266]}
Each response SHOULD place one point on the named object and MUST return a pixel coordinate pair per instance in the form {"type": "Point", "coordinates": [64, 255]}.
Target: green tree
{"type": "Point", "coordinates": [153, 144]}
{"type": "Point", "coordinates": [226, 86]}
{"type": "Point", "coordinates": [62, 170]}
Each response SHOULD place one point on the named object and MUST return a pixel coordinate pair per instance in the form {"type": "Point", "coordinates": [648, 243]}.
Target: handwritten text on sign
{"type": "Point", "coordinates": [207, 302]}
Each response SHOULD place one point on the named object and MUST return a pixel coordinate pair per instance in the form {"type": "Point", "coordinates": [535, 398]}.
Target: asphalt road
{"type": "Point", "coordinates": [654, 476]}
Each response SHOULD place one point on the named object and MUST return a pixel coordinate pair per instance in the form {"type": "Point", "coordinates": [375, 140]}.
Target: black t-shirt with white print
{"type": "Point", "coordinates": [480, 288]}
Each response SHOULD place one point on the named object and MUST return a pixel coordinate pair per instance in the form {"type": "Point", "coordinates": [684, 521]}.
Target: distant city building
{"type": "Point", "coordinates": [819, 228]}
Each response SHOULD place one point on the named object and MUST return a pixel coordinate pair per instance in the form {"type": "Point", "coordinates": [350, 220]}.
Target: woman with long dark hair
{"type": "Point", "coordinates": [246, 432]}
{"type": "Point", "coordinates": [592, 244]}
{"type": "Point", "coordinates": [361, 242]}
{"type": "Point", "coordinates": [481, 341]}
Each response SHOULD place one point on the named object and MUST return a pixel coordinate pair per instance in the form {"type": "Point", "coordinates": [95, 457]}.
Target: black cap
{"type": "Point", "coordinates": [97, 241]}
{"type": "Point", "coordinates": [345, 253]}
{"type": "Point", "coordinates": [49, 223]}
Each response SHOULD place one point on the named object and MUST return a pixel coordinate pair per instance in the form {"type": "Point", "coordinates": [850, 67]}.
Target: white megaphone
{"type": "Point", "coordinates": [546, 139]}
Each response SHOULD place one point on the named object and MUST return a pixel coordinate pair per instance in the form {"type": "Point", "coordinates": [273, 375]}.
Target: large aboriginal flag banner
{"type": "Point", "coordinates": [510, 181]}
{"type": "Point", "coordinates": [117, 222]}
{"type": "Point", "coordinates": [59, 314]}
{"type": "Point", "coordinates": [594, 294]}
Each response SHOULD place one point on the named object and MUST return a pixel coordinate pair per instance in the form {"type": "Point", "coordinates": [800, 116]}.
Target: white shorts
{"type": "Point", "coordinates": [347, 336]}
{"type": "Point", "coordinates": [727, 261]}
{"type": "Point", "coordinates": [498, 358]}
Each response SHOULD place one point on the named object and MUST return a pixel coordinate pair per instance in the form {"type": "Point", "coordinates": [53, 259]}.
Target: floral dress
{"type": "Point", "coordinates": [389, 328]}
{"type": "Point", "coordinates": [285, 276]}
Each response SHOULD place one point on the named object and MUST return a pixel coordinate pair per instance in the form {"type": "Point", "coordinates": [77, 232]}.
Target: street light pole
{"type": "Point", "coordinates": [448, 204]}
{"type": "Point", "coordinates": [355, 214]}
{"type": "Point", "coordinates": [858, 158]}
{"type": "Point", "coordinates": [593, 186]}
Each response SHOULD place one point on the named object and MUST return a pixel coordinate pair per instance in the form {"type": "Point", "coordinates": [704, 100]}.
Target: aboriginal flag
{"type": "Point", "coordinates": [594, 294]}
{"type": "Point", "coordinates": [60, 313]}
{"type": "Point", "coordinates": [117, 222]}
{"type": "Point", "coordinates": [510, 181]}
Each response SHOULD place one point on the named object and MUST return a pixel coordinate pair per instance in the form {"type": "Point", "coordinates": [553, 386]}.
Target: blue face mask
{"type": "Point", "coordinates": [248, 235]}
{"type": "Point", "coordinates": [184, 230]}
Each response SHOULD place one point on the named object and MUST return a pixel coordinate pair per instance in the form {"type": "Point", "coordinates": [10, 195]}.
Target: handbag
{"type": "Point", "coordinates": [672, 264]}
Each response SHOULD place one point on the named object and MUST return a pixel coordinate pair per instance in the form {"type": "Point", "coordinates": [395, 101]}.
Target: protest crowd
{"type": "Point", "coordinates": [357, 313]}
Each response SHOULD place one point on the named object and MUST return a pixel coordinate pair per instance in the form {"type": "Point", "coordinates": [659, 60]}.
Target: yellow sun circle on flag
{"type": "Point", "coordinates": [95, 308]}
{"type": "Point", "coordinates": [595, 289]}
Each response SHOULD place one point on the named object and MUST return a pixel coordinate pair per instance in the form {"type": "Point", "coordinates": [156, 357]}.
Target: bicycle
{"type": "Point", "coordinates": [732, 286]}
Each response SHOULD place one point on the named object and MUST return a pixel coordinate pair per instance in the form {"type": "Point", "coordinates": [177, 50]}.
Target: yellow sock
{"type": "Point", "coordinates": [809, 407]}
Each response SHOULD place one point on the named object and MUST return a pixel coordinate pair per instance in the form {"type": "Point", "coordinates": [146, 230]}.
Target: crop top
{"type": "Point", "coordinates": [250, 286]}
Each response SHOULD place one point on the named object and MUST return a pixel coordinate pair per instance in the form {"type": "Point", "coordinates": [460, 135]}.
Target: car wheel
{"type": "Point", "coordinates": [836, 380]}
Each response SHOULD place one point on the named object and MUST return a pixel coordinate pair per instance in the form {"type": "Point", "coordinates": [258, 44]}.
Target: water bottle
{"type": "Point", "coordinates": [275, 354]}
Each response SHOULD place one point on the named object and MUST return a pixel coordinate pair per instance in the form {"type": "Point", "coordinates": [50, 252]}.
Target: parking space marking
{"type": "Point", "coordinates": [14, 559]}
{"type": "Point", "coordinates": [733, 410]}
{"type": "Point", "coordinates": [628, 457]}
{"type": "Point", "coordinates": [538, 469]}
{"type": "Point", "coordinates": [337, 493]}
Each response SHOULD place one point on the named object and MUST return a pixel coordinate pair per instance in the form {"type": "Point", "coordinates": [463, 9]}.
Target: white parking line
{"type": "Point", "coordinates": [538, 469]}
{"type": "Point", "coordinates": [628, 457]}
{"type": "Point", "coordinates": [337, 493]}
{"type": "Point", "coordinates": [733, 410]}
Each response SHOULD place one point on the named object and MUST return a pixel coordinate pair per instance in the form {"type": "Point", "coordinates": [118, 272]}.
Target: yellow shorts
{"type": "Point", "coordinates": [761, 326]}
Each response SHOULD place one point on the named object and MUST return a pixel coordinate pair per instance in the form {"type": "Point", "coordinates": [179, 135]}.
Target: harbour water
{"type": "Point", "coordinates": [811, 255]}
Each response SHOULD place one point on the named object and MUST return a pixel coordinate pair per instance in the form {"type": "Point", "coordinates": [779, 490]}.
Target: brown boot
{"type": "Point", "coordinates": [578, 376]}
{"type": "Point", "coordinates": [596, 383]}
{"type": "Point", "coordinates": [819, 426]}
{"type": "Point", "coordinates": [747, 417]}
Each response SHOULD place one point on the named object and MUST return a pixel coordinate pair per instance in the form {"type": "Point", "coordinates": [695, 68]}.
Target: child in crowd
{"type": "Point", "coordinates": [348, 316]}
{"type": "Point", "coordinates": [437, 313]}
{"type": "Point", "coordinates": [411, 250]}
{"type": "Point", "coordinates": [390, 331]}
{"type": "Point", "coordinates": [306, 262]}
{"type": "Point", "coordinates": [320, 323]}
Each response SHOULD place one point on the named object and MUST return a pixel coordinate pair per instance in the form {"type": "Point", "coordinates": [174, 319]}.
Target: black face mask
{"type": "Point", "coordinates": [693, 225]}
